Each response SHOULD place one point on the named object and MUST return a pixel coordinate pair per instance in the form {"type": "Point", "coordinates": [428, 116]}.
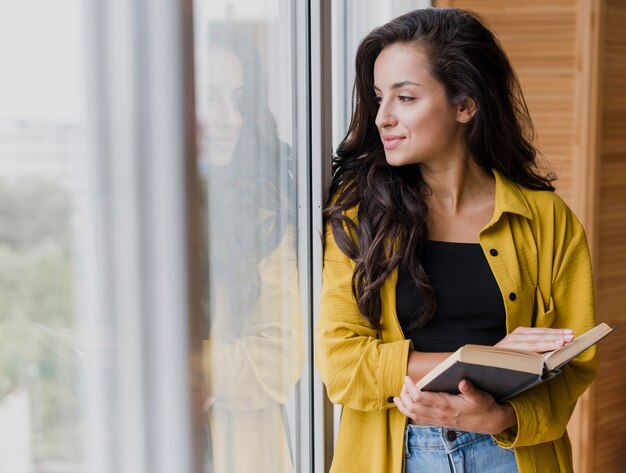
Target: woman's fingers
{"type": "Point", "coordinates": [402, 408]}
{"type": "Point", "coordinates": [525, 333]}
{"type": "Point", "coordinates": [536, 339]}
{"type": "Point", "coordinates": [414, 392]}
{"type": "Point", "coordinates": [405, 395]}
{"type": "Point", "coordinates": [473, 410]}
{"type": "Point", "coordinates": [410, 401]}
{"type": "Point", "coordinates": [473, 395]}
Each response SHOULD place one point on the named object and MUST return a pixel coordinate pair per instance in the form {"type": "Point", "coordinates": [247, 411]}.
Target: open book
{"type": "Point", "coordinates": [505, 372]}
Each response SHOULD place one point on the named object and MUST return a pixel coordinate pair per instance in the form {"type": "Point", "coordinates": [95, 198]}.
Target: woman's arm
{"type": "Point", "coordinates": [420, 363]}
{"type": "Point", "coordinates": [359, 369]}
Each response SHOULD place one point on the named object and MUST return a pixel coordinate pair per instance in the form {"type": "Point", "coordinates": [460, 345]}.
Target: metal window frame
{"type": "Point", "coordinates": [321, 150]}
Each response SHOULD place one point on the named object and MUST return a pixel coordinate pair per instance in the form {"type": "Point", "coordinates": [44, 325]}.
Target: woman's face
{"type": "Point", "coordinates": [220, 124]}
{"type": "Point", "coordinates": [415, 121]}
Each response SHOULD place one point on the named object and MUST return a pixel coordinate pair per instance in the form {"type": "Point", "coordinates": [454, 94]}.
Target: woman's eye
{"type": "Point", "coordinates": [378, 99]}
{"type": "Point", "coordinates": [405, 98]}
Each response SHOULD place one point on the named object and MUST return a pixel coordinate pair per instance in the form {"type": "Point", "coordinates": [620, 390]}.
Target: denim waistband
{"type": "Point", "coordinates": [435, 437]}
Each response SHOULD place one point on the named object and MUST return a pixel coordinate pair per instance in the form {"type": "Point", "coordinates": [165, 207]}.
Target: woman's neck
{"type": "Point", "coordinates": [461, 202]}
{"type": "Point", "coordinates": [456, 185]}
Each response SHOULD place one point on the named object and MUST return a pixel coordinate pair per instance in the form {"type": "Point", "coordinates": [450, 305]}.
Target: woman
{"type": "Point", "coordinates": [441, 231]}
{"type": "Point", "coordinates": [253, 353]}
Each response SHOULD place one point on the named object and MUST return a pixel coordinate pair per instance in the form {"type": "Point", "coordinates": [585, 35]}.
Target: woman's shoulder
{"type": "Point", "coordinates": [542, 199]}
{"type": "Point", "coordinates": [534, 202]}
{"type": "Point", "coordinates": [548, 207]}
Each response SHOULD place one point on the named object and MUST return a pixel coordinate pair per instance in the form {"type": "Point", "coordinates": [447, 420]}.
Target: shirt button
{"type": "Point", "coordinates": [493, 252]}
{"type": "Point", "coordinates": [390, 399]}
{"type": "Point", "coordinates": [451, 435]}
{"type": "Point", "coordinates": [512, 296]}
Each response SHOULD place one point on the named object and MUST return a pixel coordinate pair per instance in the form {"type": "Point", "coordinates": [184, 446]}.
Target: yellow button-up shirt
{"type": "Point", "coordinates": [543, 270]}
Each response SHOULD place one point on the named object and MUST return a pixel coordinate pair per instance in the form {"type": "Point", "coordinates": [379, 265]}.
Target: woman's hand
{"type": "Point", "coordinates": [473, 410]}
{"type": "Point", "coordinates": [537, 339]}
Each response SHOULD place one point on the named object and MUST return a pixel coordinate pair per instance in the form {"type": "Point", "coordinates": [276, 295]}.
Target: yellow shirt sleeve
{"type": "Point", "coordinates": [359, 369]}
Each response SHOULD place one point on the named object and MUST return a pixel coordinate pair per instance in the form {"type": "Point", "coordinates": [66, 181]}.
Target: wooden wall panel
{"type": "Point", "coordinates": [610, 388]}
{"type": "Point", "coordinates": [540, 39]}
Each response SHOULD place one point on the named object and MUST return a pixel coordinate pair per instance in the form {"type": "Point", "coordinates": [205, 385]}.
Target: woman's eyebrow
{"type": "Point", "coordinates": [398, 85]}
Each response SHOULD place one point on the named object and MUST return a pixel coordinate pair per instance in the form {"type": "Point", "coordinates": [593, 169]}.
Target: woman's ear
{"type": "Point", "coordinates": [466, 110]}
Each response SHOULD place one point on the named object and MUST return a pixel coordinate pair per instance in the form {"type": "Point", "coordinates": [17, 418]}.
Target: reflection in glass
{"type": "Point", "coordinates": [253, 352]}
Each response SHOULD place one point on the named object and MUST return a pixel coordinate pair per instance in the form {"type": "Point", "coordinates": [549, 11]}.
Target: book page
{"type": "Point", "coordinates": [508, 358]}
{"type": "Point", "coordinates": [557, 358]}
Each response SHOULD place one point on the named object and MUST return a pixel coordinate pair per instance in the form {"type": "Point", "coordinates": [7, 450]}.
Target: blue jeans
{"type": "Point", "coordinates": [432, 449]}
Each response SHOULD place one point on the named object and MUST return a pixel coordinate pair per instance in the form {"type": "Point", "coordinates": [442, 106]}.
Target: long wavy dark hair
{"type": "Point", "coordinates": [390, 226]}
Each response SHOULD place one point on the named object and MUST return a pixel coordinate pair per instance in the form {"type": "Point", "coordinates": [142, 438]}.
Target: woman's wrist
{"type": "Point", "coordinates": [420, 363]}
{"type": "Point", "coordinates": [506, 418]}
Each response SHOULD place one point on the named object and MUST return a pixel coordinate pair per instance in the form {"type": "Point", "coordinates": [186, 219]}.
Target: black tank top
{"type": "Point", "coordinates": [470, 308]}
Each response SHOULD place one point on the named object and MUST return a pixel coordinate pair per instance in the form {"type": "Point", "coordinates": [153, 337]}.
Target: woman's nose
{"type": "Point", "coordinates": [385, 117]}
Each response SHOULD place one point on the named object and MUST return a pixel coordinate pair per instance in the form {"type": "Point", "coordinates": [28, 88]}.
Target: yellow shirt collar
{"type": "Point", "coordinates": [509, 199]}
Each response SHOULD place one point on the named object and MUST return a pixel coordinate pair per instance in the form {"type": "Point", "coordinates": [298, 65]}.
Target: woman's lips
{"type": "Point", "coordinates": [392, 141]}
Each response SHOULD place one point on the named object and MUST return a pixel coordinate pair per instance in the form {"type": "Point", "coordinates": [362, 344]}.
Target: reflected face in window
{"type": "Point", "coordinates": [222, 120]}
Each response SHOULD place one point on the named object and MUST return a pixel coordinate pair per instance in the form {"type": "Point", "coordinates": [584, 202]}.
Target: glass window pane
{"type": "Point", "coordinates": [352, 21]}
{"type": "Point", "coordinates": [41, 133]}
{"type": "Point", "coordinates": [253, 346]}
